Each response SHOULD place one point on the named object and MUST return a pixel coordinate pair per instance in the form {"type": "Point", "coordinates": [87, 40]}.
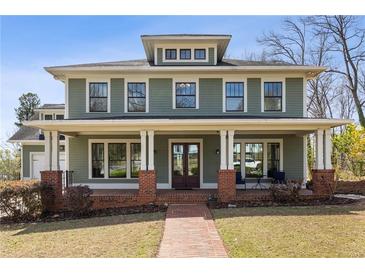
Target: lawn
{"type": "Point", "coordinates": [316, 231]}
{"type": "Point", "coordinates": [136, 235]}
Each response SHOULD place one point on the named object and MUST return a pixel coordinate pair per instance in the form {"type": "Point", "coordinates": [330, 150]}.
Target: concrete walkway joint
{"type": "Point", "coordinates": [190, 232]}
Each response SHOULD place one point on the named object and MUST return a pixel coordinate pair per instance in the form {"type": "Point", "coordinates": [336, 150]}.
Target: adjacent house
{"type": "Point", "coordinates": [183, 118]}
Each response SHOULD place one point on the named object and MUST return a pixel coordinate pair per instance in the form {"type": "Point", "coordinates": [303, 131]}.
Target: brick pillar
{"type": "Point", "coordinates": [227, 185]}
{"type": "Point", "coordinates": [323, 181]}
{"type": "Point", "coordinates": [52, 200]}
{"type": "Point", "coordinates": [147, 186]}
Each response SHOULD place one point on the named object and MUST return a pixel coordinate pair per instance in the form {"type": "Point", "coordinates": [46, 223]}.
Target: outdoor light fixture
{"type": "Point", "coordinates": [217, 151]}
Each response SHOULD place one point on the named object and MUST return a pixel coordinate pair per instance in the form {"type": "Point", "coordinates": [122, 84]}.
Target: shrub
{"type": "Point", "coordinates": [78, 199]}
{"type": "Point", "coordinates": [286, 193]}
{"type": "Point", "coordinates": [21, 199]}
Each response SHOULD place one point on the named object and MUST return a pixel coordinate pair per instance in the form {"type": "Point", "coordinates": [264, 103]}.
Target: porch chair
{"type": "Point", "coordinates": [239, 180]}
{"type": "Point", "coordinates": [278, 177]}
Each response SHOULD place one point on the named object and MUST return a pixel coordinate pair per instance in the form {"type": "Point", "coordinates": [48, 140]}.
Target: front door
{"type": "Point", "coordinates": [185, 165]}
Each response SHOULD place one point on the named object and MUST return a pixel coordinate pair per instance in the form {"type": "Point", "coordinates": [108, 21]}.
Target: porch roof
{"type": "Point", "coordinates": [133, 124]}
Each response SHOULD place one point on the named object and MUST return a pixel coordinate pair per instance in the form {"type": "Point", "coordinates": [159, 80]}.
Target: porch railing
{"type": "Point", "coordinates": [67, 178]}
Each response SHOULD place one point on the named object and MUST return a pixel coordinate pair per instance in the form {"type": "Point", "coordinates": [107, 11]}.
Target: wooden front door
{"type": "Point", "coordinates": [185, 165]}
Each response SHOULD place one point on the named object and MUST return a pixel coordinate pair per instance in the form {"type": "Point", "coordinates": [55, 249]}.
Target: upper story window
{"type": "Point", "coordinates": [273, 95]}
{"type": "Point", "coordinates": [59, 116]}
{"type": "Point", "coordinates": [98, 97]}
{"type": "Point", "coordinates": [186, 95]}
{"type": "Point", "coordinates": [48, 117]}
{"type": "Point", "coordinates": [185, 54]}
{"type": "Point", "coordinates": [199, 54]}
{"type": "Point", "coordinates": [170, 54]}
{"type": "Point", "coordinates": [136, 97]}
{"type": "Point", "coordinates": [234, 96]}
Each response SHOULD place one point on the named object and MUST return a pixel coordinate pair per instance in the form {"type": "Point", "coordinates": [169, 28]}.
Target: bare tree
{"type": "Point", "coordinates": [348, 40]}
{"type": "Point", "coordinates": [291, 45]}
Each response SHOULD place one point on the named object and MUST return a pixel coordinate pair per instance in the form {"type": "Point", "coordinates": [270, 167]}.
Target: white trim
{"type": "Point", "coordinates": [97, 80]}
{"type": "Point", "coordinates": [47, 150]}
{"type": "Point", "coordinates": [106, 157]}
{"type": "Point", "coordinates": [143, 150]}
{"type": "Point", "coordinates": [201, 155]}
{"type": "Point", "coordinates": [31, 154]}
{"type": "Point", "coordinates": [209, 186]}
{"type": "Point", "coordinates": [151, 149]}
{"type": "Point", "coordinates": [55, 151]}
{"type": "Point", "coordinates": [111, 185]}
{"type": "Point", "coordinates": [21, 161]}
{"type": "Point", "coordinates": [163, 186]}
{"type": "Point", "coordinates": [230, 149]}
{"type": "Point", "coordinates": [305, 162]}
{"type": "Point", "coordinates": [283, 98]}
{"type": "Point", "coordinates": [67, 152]}
{"type": "Point", "coordinates": [223, 149]}
{"type": "Point", "coordinates": [67, 110]}
{"type": "Point", "coordinates": [180, 47]}
{"type": "Point", "coordinates": [327, 149]}
{"type": "Point", "coordinates": [264, 146]}
{"type": "Point", "coordinates": [319, 149]}
{"type": "Point", "coordinates": [305, 113]}
{"type": "Point", "coordinates": [136, 79]}
{"type": "Point", "coordinates": [235, 79]}
{"type": "Point", "coordinates": [186, 79]}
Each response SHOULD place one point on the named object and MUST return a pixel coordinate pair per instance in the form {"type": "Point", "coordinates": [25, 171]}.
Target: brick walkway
{"type": "Point", "coordinates": [190, 232]}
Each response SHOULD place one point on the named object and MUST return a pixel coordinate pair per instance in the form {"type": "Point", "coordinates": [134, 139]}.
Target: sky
{"type": "Point", "coordinates": [30, 43]}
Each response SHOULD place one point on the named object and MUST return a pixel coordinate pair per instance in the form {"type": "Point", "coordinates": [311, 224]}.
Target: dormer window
{"type": "Point", "coordinates": [170, 54]}
{"type": "Point", "coordinates": [185, 54]}
{"type": "Point", "coordinates": [199, 54]}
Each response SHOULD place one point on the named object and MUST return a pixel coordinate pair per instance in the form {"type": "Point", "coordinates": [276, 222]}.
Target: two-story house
{"type": "Point", "coordinates": [184, 118]}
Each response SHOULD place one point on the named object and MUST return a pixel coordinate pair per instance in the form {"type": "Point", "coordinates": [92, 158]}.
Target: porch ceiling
{"type": "Point", "coordinates": [294, 125]}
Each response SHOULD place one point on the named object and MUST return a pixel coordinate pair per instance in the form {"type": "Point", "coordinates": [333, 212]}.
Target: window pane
{"type": "Point", "coordinates": [135, 160]}
{"type": "Point", "coordinates": [237, 157]}
{"type": "Point", "coordinates": [234, 89]}
{"type": "Point", "coordinates": [273, 104]}
{"type": "Point", "coordinates": [185, 101]}
{"type": "Point", "coordinates": [185, 88]}
{"type": "Point", "coordinates": [273, 158]}
{"type": "Point", "coordinates": [254, 160]}
{"type": "Point", "coordinates": [170, 54]}
{"type": "Point", "coordinates": [59, 117]}
{"type": "Point", "coordinates": [193, 158]}
{"type": "Point", "coordinates": [136, 104]}
{"type": "Point", "coordinates": [234, 104]}
{"type": "Point", "coordinates": [185, 54]}
{"type": "Point", "coordinates": [98, 104]}
{"type": "Point", "coordinates": [273, 88]}
{"type": "Point", "coordinates": [178, 165]}
{"type": "Point", "coordinates": [97, 160]}
{"type": "Point", "coordinates": [98, 89]}
{"type": "Point", "coordinates": [48, 117]}
{"type": "Point", "coordinates": [199, 54]}
{"type": "Point", "coordinates": [136, 89]}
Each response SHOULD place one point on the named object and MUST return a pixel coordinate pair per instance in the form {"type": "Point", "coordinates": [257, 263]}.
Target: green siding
{"type": "Point", "coordinates": [210, 98]}
{"type": "Point", "coordinates": [292, 162]}
{"type": "Point", "coordinates": [192, 63]}
{"type": "Point", "coordinates": [27, 149]}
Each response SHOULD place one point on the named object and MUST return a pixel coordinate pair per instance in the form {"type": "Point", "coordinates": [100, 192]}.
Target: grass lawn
{"type": "Point", "coordinates": [317, 231]}
{"type": "Point", "coordinates": [136, 235]}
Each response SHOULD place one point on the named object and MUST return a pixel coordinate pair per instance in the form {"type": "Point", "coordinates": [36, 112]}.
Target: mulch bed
{"type": "Point", "coordinates": [63, 216]}
{"type": "Point", "coordinates": [317, 202]}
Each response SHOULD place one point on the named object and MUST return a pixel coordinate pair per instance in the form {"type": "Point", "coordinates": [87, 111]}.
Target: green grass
{"type": "Point", "coordinates": [136, 235]}
{"type": "Point", "coordinates": [316, 231]}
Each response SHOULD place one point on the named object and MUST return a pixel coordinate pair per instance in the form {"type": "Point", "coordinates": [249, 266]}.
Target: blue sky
{"type": "Point", "coordinates": [29, 43]}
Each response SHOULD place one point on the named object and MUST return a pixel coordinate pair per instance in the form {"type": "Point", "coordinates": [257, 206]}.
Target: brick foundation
{"type": "Point", "coordinates": [227, 185]}
{"type": "Point", "coordinates": [147, 186]}
{"type": "Point", "coordinates": [350, 187]}
{"type": "Point", "coordinates": [54, 180]}
{"type": "Point", "coordinates": [323, 181]}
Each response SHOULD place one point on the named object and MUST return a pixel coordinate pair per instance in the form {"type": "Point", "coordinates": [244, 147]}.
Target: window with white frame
{"type": "Point", "coordinates": [185, 95]}
{"type": "Point", "coordinates": [234, 96]}
{"type": "Point", "coordinates": [170, 54]}
{"type": "Point", "coordinates": [199, 54]}
{"type": "Point", "coordinates": [137, 97]}
{"type": "Point", "coordinates": [98, 97]}
{"type": "Point", "coordinates": [273, 96]}
{"type": "Point", "coordinates": [185, 54]}
{"type": "Point", "coordinates": [114, 159]}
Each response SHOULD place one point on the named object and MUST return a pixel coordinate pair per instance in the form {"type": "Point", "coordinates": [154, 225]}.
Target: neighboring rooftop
{"type": "Point", "coordinates": [52, 106]}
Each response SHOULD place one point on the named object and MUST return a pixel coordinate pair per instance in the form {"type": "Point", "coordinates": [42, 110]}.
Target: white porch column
{"type": "Point", "coordinates": [55, 150]}
{"type": "Point", "coordinates": [319, 149]}
{"type": "Point", "coordinates": [223, 151]}
{"type": "Point", "coordinates": [47, 150]}
{"type": "Point", "coordinates": [151, 146]}
{"type": "Point", "coordinates": [143, 150]}
{"type": "Point", "coordinates": [230, 149]}
{"type": "Point", "coordinates": [327, 149]}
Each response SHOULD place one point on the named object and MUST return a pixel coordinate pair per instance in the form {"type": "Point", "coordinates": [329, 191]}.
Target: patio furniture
{"type": "Point", "coordinates": [239, 180]}
{"type": "Point", "coordinates": [278, 177]}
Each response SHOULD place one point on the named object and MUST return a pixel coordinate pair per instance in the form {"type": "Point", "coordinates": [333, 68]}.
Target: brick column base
{"type": "Point", "coordinates": [323, 181]}
{"type": "Point", "coordinates": [147, 186]}
{"type": "Point", "coordinates": [227, 185]}
{"type": "Point", "coordinates": [52, 200]}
